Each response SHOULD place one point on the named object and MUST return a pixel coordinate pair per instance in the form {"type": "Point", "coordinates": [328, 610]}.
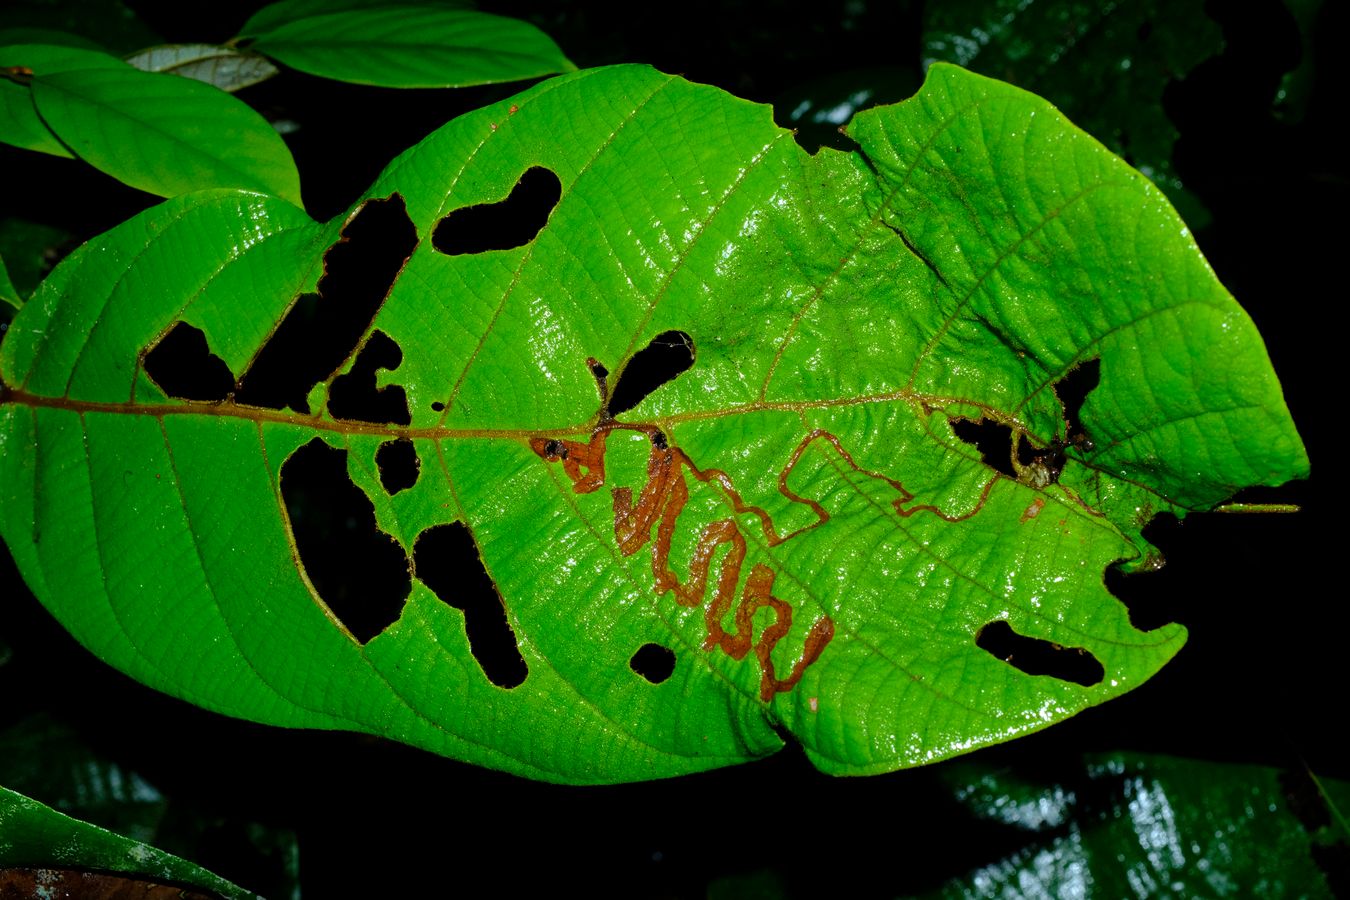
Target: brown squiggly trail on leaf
{"type": "Point", "coordinates": [660, 503]}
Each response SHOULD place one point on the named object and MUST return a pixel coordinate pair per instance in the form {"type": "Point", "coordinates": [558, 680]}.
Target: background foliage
{"type": "Point", "coordinates": [1257, 684]}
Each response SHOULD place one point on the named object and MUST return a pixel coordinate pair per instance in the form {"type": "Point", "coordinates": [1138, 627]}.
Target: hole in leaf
{"type": "Point", "coordinates": [437, 406]}
{"type": "Point", "coordinates": [1039, 657]}
{"type": "Point", "coordinates": [360, 572]}
{"type": "Point", "coordinates": [994, 441]}
{"type": "Point", "coordinates": [653, 662]}
{"type": "Point", "coordinates": [511, 223]}
{"type": "Point", "coordinates": [1072, 390]}
{"type": "Point", "coordinates": [447, 561]}
{"type": "Point", "coordinates": [354, 396]}
{"type": "Point", "coordinates": [1154, 594]}
{"type": "Point", "coordinates": [321, 330]}
{"type": "Point", "coordinates": [398, 465]}
{"type": "Point", "coordinates": [183, 366]}
{"type": "Point", "coordinates": [669, 354]}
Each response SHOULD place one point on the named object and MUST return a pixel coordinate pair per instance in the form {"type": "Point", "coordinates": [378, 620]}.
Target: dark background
{"type": "Point", "coordinates": [1262, 679]}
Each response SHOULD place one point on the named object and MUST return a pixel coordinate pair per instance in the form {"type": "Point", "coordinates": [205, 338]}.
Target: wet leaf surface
{"type": "Point", "coordinates": [792, 515]}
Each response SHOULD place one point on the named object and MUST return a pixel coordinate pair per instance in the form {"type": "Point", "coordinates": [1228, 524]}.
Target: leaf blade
{"type": "Point", "coordinates": [163, 134]}
{"type": "Point", "coordinates": [414, 46]}
{"type": "Point", "coordinates": [853, 550]}
{"type": "Point", "coordinates": [23, 127]}
{"type": "Point", "coordinates": [34, 835]}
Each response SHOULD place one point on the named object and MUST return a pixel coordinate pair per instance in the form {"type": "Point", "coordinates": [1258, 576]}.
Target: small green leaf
{"type": "Point", "coordinates": [790, 538]}
{"type": "Point", "coordinates": [35, 836]}
{"type": "Point", "coordinates": [8, 292]}
{"type": "Point", "coordinates": [20, 124]}
{"type": "Point", "coordinates": [163, 134]}
{"type": "Point", "coordinates": [221, 67]}
{"type": "Point", "coordinates": [273, 15]}
{"type": "Point", "coordinates": [414, 46]}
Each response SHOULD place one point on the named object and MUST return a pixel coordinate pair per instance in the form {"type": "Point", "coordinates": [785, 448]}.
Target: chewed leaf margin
{"type": "Point", "coordinates": [789, 513]}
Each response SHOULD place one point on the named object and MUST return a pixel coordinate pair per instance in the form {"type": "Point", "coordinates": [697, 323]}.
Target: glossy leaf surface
{"type": "Point", "coordinates": [1140, 825]}
{"type": "Point", "coordinates": [787, 538]}
{"type": "Point", "coordinates": [413, 46]}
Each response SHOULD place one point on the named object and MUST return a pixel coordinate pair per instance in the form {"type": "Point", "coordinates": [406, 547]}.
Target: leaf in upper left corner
{"type": "Point", "coordinates": [408, 46]}
{"type": "Point", "coordinates": [165, 135]}
{"type": "Point", "coordinates": [20, 124]}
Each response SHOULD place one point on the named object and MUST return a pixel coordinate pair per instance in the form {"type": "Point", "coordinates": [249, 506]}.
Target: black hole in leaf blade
{"type": "Point", "coordinates": [653, 662]}
{"type": "Point", "coordinates": [1036, 656]}
{"type": "Point", "coordinates": [398, 465]}
{"type": "Point", "coordinates": [669, 354]}
{"type": "Point", "coordinates": [994, 441]}
{"type": "Point", "coordinates": [1156, 594]}
{"type": "Point", "coordinates": [437, 406]}
{"type": "Point", "coordinates": [183, 366]}
{"type": "Point", "coordinates": [511, 223]}
{"type": "Point", "coordinates": [447, 561]}
{"type": "Point", "coordinates": [321, 330]}
{"type": "Point", "coordinates": [354, 395]}
{"type": "Point", "coordinates": [360, 572]}
{"type": "Point", "coordinates": [1072, 390]}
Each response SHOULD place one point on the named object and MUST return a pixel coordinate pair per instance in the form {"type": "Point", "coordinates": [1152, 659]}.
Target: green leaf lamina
{"type": "Point", "coordinates": [8, 292]}
{"type": "Point", "coordinates": [286, 11]}
{"type": "Point", "coordinates": [20, 124]}
{"type": "Point", "coordinates": [163, 134]}
{"type": "Point", "coordinates": [794, 517]}
{"type": "Point", "coordinates": [35, 836]}
{"type": "Point", "coordinates": [413, 46]}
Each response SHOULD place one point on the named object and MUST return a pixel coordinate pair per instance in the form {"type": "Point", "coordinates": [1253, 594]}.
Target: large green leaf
{"type": "Point", "coordinates": [413, 45]}
{"type": "Point", "coordinates": [843, 310]}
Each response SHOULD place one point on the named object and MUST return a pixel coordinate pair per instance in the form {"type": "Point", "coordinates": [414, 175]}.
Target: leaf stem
{"type": "Point", "coordinates": [1252, 508]}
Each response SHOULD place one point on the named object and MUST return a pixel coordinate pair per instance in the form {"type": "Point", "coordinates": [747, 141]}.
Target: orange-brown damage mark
{"type": "Point", "coordinates": [1033, 510]}
{"type": "Point", "coordinates": [899, 504]}
{"type": "Point", "coordinates": [660, 503]}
